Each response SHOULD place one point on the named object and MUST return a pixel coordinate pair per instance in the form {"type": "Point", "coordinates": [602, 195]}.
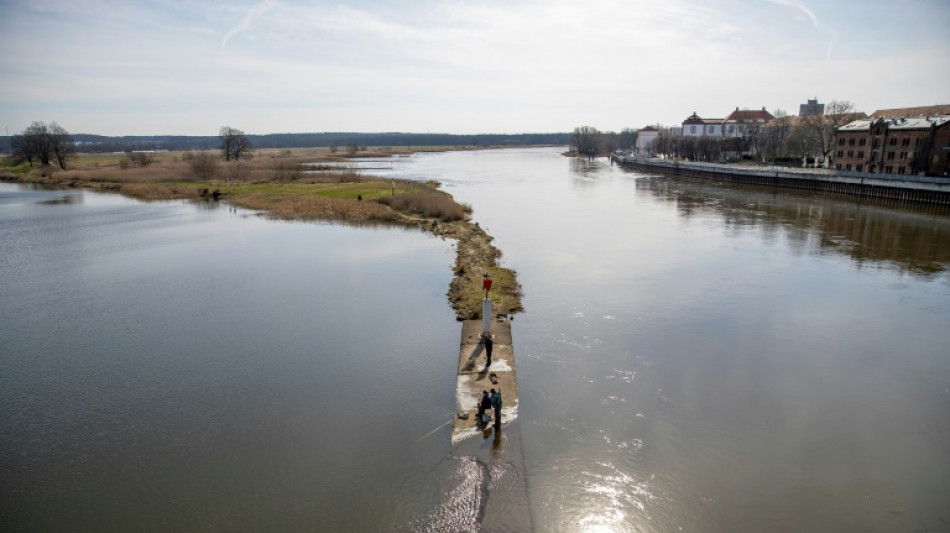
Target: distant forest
{"type": "Point", "coordinates": [101, 143]}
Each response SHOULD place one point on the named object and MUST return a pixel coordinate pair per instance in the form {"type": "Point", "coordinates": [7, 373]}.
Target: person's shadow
{"type": "Point", "coordinates": [472, 359]}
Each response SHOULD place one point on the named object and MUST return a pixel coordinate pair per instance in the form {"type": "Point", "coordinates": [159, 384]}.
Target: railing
{"type": "Point", "coordinates": [782, 172]}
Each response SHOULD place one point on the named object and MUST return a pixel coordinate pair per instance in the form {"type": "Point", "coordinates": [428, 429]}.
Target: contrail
{"type": "Point", "coordinates": [251, 16]}
{"type": "Point", "coordinates": [800, 6]}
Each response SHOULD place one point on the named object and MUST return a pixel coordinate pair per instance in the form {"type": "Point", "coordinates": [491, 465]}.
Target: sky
{"type": "Point", "coordinates": [188, 67]}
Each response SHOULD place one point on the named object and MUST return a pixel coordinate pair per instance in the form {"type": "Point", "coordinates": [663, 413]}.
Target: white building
{"type": "Point", "coordinates": [645, 138]}
{"type": "Point", "coordinates": [735, 125]}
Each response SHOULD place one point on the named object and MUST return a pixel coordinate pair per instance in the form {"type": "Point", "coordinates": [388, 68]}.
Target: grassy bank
{"type": "Point", "coordinates": [281, 184]}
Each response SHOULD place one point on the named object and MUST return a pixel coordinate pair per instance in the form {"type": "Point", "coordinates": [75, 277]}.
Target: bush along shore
{"type": "Point", "coordinates": [283, 184]}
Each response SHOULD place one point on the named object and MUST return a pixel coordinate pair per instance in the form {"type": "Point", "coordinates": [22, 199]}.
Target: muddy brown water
{"type": "Point", "coordinates": [691, 356]}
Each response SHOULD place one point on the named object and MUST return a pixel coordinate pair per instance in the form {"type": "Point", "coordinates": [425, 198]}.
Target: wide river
{"type": "Point", "coordinates": [692, 357]}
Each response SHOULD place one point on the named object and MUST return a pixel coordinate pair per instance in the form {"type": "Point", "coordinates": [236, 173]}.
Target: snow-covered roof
{"type": "Point", "coordinates": [902, 123]}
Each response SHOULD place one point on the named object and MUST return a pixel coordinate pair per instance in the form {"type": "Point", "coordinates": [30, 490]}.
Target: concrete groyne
{"type": "Point", "coordinates": [902, 189]}
{"type": "Point", "coordinates": [502, 495]}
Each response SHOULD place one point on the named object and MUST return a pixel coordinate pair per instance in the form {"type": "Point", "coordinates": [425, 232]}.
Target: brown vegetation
{"type": "Point", "coordinates": [438, 205]}
{"type": "Point", "coordinates": [279, 184]}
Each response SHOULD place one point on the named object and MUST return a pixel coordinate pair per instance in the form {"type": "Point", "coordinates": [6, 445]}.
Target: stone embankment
{"type": "Point", "coordinates": [903, 189]}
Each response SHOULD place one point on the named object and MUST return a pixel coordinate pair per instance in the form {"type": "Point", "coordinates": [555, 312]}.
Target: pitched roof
{"type": "Point", "coordinates": [693, 119]}
{"type": "Point", "coordinates": [908, 123]}
{"type": "Point", "coordinates": [749, 115]}
{"type": "Point", "coordinates": [920, 111]}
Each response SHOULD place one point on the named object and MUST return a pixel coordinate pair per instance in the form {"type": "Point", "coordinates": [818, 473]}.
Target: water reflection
{"type": "Point", "coordinates": [913, 240]}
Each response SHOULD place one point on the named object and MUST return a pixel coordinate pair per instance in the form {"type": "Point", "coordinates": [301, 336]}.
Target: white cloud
{"type": "Point", "coordinates": [467, 67]}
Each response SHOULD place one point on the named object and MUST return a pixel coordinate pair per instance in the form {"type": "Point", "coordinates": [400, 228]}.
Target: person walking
{"type": "Point", "coordinates": [488, 347]}
{"type": "Point", "coordinates": [496, 405]}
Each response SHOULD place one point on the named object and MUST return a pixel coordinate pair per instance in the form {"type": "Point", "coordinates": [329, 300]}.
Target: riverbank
{"type": "Point", "coordinates": [281, 184]}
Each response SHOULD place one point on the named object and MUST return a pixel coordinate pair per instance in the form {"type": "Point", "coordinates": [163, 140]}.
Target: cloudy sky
{"type": "Point", "coordinates": [456, 66]}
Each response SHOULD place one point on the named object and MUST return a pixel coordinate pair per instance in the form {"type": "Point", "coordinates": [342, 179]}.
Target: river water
{"type": "Point", "coordinates": [692, 357]}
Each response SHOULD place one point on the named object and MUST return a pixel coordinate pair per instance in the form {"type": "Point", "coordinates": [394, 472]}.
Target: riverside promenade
{"type": "Point", "coordinates": [889, 187]}
{"type": "Point", "coordinates": [501, 495]}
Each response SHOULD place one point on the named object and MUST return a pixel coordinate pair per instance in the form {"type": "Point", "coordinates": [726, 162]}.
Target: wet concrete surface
{"type": "Point", "coordinates": [498, 451]}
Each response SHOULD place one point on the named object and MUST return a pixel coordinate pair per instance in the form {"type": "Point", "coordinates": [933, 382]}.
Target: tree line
{"type": "Point", "coordinates": [588, 140]}
{"type": "Point", "coordinates": [108, 144]}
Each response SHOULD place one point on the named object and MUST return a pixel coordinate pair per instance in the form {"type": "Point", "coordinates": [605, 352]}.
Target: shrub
{"type": "Point", "coordinates": [432, 205]}
{"type": "Point", "coordinates": [287, 172]}
{"type": "Point", "coordinates": [204, 166]}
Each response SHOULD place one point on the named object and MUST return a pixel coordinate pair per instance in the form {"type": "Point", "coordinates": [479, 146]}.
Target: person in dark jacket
{"type": "Point", "coordinates": [484, 405]}
{"type": "Point", "coordinates": [496, 405]}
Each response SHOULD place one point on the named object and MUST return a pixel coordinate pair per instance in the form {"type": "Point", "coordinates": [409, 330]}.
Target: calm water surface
{"type": "Point", "coordinates": [692, 357]}
{"type": "Point", "coordinates": [169, 367]}
{"type": "Point", "coordinates": [704, 358]}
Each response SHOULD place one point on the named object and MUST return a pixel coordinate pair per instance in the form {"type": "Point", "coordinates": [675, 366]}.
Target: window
{"type": "Point", "coordinates": [850, 153]}
{"type": "Point", "coordinates": [692, 129]}
{"type": "Point", "coordinates": [840, 141]}
{"type": "Point", "coordinates": [840, 153]}
{"type": "Point", "coordinates": [890, 155]}
{"type": "Point", "coordinates": [837, 166]}
{"type": "Point", "coordinates": [860, 155]}
{"type": "Point", "coordinates": [889, 170]}
{"type": "Point", "coordinates": [900, 170]}
{"type": "Point", "coordinates": [851, 142]}
{"type": "Point", "coordinates": [848, 166]}
{"type": "Point", "coordinates": [862, 142]}
{"type": "Point", "coordinates": [893, 142]}
{"type": "Point", "coordinates": [712, 129]}
{"type": "Point", "coordinates": [905, 142]}
{"type": "Point", "coordinates": [877, 143]}
{"type": "Point", "coordinates": [730, 128]}
{"type": "Point", "coordinates": [859, 168]}
{"type": "Point", "coordinates": [903, 155]}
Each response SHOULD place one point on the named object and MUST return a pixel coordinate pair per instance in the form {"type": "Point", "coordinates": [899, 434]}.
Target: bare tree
{"type": "Point", "coordinates": [234, 143]}
{"type": "Point", "coordinates": [586, 140]}
{"type": "Point", "coordinates": [628, 138]}
{"type": "Point", "coordinates": [61, 144]}
{"type": "Point", "coordinates": [20, 151]}
{"type": "Point", "coordinates": [822, 127]}
{"type": "Point", "coordinates": [773, 138]}
{"type": "Point", "coordinates": [38, 141]}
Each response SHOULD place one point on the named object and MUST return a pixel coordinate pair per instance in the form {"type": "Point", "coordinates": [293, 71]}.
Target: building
{"type": "Point", "coordinates": [898, 145]}
{"type": "Point", "coordinates": [694, 126]}
{"type": "Point", "coordinates": [737, 124]}
{"type": "Point", "coordinates": [645, 138]}
{"type": "Point", "coordinates": [920, 111]}
{"type": "Point", "coordinates": [811, 109]}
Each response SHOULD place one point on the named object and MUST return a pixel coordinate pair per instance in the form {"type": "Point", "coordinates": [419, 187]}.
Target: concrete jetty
{"type": "Point", "coordinates": [474, 377]}
{"type": "Point", "coordinates": [501, 484]}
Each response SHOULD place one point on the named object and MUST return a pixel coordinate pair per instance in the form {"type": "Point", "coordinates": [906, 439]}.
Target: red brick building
{"type": "Point", "coordinates": [895, 145]}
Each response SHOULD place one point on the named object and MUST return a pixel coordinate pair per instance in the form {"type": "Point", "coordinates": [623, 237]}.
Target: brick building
{"type": "Point", "coordinates": [894, 145]}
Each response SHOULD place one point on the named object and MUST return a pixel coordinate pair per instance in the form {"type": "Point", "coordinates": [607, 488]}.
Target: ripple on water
{"type": "Point", "coordinates": [464, 500]}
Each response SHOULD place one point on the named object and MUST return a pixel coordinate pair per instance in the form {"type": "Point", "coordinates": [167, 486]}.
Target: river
{"type": "Point", "coordinates": [692, 357]}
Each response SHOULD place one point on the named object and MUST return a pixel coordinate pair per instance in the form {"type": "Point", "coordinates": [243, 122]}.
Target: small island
{"type": "Point", "coordinates": [306, 184]}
